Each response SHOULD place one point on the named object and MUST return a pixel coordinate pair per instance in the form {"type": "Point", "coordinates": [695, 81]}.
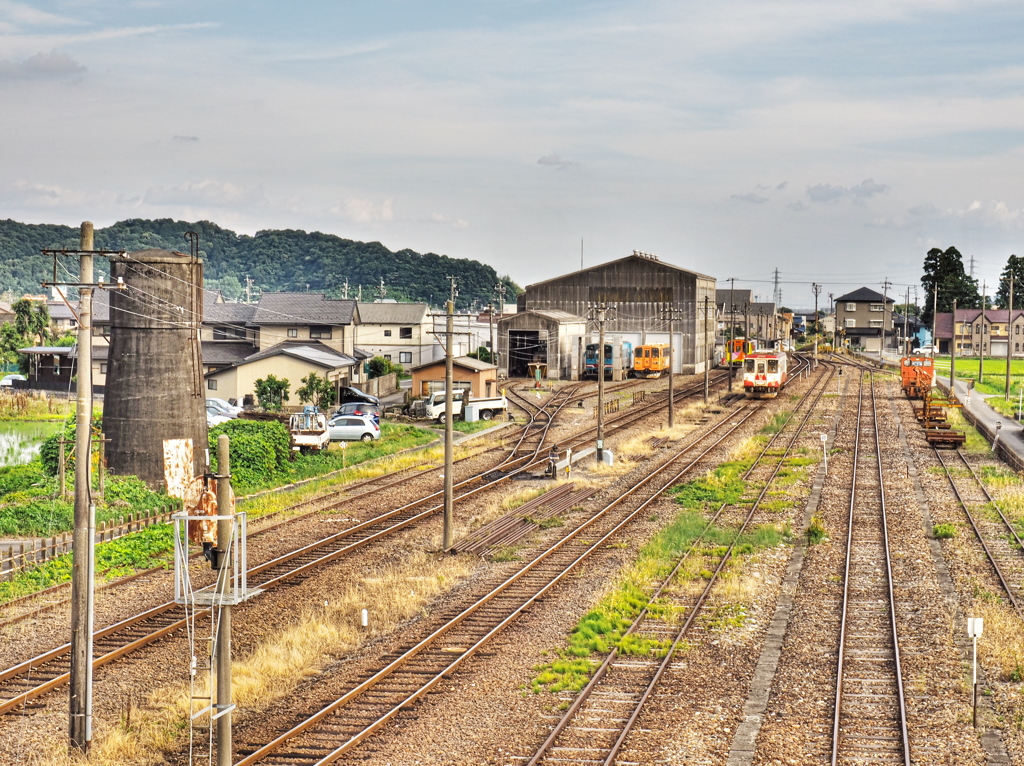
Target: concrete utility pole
{"type": "Point", "coordinates": [707, 344]}
{"type": "Point", "coordinates": [225, 523]}
{"type": "Point", "coordinates": [500, 290]}
{"type": "Point", "coordinates": [601, 312]}
{"type": "Point", "coordinates": [449, 433]}
{"type": "Point", "coordinates": [981, 349]}
{"type": "Point", "coordinates": [935, 316]}
{"type": "Point", "coordinates": [83, 568]}
{"type": "Point", "coordinates": [671, 364]}
{"type": "Point", "coordinates": [952, 353]}
{"type": "Point", "coordinates": [1009, 339]}
{"type": "Point", "coordinates": [817, 291]}
{"type": "Point", "coordinates": [729, 332]}
{"type": "Point", "coordinates": [490, 322]}
{"type": "Point", "coordinates": [906, 325]}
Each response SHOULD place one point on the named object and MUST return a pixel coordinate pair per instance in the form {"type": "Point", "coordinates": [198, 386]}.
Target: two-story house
{"type": "Point", "coordinates": [980, 332]}
{"type": "Point", "coordinates": [398, 332]}
{"type": "Point", "coordinates": [864, 319]}
{"type": "Point", "coordinates": [288, 335]}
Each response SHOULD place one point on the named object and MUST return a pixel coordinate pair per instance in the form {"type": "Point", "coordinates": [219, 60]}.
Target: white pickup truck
{"type": "Point", "coordinates": [433, 406]}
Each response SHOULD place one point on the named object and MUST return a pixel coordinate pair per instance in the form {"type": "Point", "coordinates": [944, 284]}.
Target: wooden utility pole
{"type": "Point", "coordinates": [1009, 339]}
{"type": "Point", "coordinates": [729, 331]}
{"type": "Point", "coordinates": [83, 568]}
{"type": "Point", "coordinates": [500, 290]}
{"type": "Point", "coordinates": [490, 322]}
{"type": "Point", "coordinates": [449, 433]}
{"type": "Point", "coordinates": [952, 354]}
{"type": "Point", "coordinates": [225, 524]}
{"type": "Point", "coordinates": [817, 291]}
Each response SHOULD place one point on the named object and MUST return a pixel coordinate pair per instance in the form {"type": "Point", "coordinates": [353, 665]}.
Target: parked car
{"type": "Point", "coordinates": [925, 351]}
{"type": "Point", "coordinates": [352, 428]}
{"type": "Point", "coordinates": [224, 408]}
{"type": "Point", "coordinates": [7, 381]}
{"type": "Point", "coordinates": [215, 417]}
{"type": "Point", "coordinates": [360, 408]}
{"type": "Point", "coordinates": [348, 394]}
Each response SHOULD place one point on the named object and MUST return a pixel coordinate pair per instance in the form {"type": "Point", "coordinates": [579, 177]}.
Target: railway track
{"type": "Point", "coordinates": [870, 715]}
{"type": "Point", "coordinates": [997, 536]}
{"type": "Point", "coordinates": [369, 705]}
{"type": "Point", "coordinates": [28, 680]}
{"type": "Point", "coordinates": [595, 727]}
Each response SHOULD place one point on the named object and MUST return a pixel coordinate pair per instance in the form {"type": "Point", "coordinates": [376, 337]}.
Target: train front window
{"type": "Point", "coordinates": [654, 353]}
{"type": "Point", "coordinates": [760, 368]}
{"type": "Point", "coordinates": [773, 365]}
{"type": "Point", "coordinates": [749, 365]}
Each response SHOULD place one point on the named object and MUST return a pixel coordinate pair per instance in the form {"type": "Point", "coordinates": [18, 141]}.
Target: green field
{"type": "Point", "coordinates": [993, 379]}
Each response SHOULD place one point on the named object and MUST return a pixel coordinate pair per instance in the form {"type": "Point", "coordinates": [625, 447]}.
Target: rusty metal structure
{"type": "Point", "coordinates": [154, 377]}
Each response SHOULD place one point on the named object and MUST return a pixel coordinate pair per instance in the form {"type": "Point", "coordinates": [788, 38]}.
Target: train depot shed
{"type": "Point", "coordinates": [540, 337]}
{"type": "Point", "coordinates": [639, 291]}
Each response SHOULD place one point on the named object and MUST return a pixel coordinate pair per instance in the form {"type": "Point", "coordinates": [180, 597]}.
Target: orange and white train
{"type": "Point", "coordinates": [765, 373]}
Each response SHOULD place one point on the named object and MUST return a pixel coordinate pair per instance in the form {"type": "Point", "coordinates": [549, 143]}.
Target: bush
{"type": "Point", "coordinates": [944, 531]}
{"type": "Point", "coordinates": [259, 450]}
{"type": "Point", "coordinates": [816, 530]}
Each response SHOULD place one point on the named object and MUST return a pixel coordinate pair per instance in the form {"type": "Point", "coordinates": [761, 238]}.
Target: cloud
{"type": "Point", "coordinates": [204, 193]}
{"type": "Point", "coordinates": [555, 161]}
{"type": "Point", "coordinates": [828, 193]}
{"type": "Point", "coordinates": [25, 15]}
{"type": "Point", "coordinates": [455, 223]}
{"type": "Point", "coordinates": [43, 195]}
{"type": "Point", "coordinates": [990, 214]}
{"type": "Point", "coordinates": [185, 139]}
{"type": "Point", "coordinates": [798, 206]}
{"type": "Point", "coordinates": [42, 65]}
{"type": "Point", "coordinates": [357, 210]}
{"type": "Point", "coordinates": [752, 198]}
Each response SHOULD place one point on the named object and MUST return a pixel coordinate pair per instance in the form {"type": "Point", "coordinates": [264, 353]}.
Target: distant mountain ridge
{"type": "Point", "coordinates": [276, 260]}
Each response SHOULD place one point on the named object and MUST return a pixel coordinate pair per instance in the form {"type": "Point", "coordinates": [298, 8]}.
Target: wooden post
{"type": "Point", "coordinates": [102, 467]}
{"type": "Point", "coordinates": [62, 466]}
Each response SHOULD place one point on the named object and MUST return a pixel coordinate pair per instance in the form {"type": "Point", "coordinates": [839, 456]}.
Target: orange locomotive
{"type": "Point", "coordinates": [650, 361]}
{"type": "Point", "coordinates": [741, 347]}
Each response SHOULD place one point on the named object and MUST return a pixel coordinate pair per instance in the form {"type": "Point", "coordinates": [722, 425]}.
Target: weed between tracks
{"type": "Point", "coordinates": [273, 670]}
{"type": "Point", "coordinates": [604, 626]}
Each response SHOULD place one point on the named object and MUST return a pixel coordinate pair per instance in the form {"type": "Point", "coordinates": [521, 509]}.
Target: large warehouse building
{"type": "Point", "coordinates": [638, 290]}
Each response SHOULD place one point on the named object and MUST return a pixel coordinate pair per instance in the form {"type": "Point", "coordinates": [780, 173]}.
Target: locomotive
{"type": "Point", "coordinates": [590, 363]}
{"type": "Point", "coordinates": [651, 361]}
{"type": "Point", "coordinates": [765, 374]}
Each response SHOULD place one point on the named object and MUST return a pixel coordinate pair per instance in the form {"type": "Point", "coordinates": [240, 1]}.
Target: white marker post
{"type": "Point", "coordinates": [975, 626]}
{"type": "Point", "coordinates": [995, 441]}
{"type": "Point", "coordinates": [824, 452]}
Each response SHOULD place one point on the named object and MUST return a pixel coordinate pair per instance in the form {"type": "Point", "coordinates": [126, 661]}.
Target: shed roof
{"type": "Point", "coordinates": [465, 362]}
{"type": "Point", "coordinates": [312, 352]}
{"type": "Point", "coordinates": [640, 260]}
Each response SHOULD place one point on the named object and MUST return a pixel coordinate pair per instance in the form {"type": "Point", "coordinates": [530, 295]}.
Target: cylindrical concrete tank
{"type": "Point", "coordinates": [154, 387]}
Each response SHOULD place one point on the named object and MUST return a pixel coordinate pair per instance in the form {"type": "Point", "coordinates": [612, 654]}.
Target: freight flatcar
{"type": "Point", "coordinates": [651, 361]}
{"type": "Point", "coordinates": [765, 373]}
{"type": "Point", "coordinates": [917, 373]}
{"type": "Point", "coordinates": [625, 363]}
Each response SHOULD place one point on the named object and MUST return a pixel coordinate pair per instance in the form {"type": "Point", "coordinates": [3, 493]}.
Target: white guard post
{"type": "Point", "coordinates": [975, 627]}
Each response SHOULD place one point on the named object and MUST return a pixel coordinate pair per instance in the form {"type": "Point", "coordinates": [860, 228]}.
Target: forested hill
{"type": "Point", "coordinates": [286, 260]}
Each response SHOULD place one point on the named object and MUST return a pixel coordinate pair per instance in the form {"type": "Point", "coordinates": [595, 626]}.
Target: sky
{"type": "Point", "coordinates": [835, 142]}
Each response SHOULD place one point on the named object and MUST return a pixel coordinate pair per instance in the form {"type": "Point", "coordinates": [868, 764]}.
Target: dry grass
{"type": "Point", "coordinates": [1001, 647]}
{"type": "Point", "coordinates": [274, 669]}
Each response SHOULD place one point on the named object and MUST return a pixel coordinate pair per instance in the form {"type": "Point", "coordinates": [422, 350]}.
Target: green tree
{"type": "Point", "coordinates": [1015, 266]}
{"type": "Point", "coordinates": [316, 390]}
{"type": "Point", "coordinates": [272, 392]}
{"type": "Point", "coordinates": [32, 320]}
{"type": "Point", "coordinates": [379, 366]}
{"type": "Point", "coordinates": [483, 354]}
{"type": "Point", "coordinates": [10, 341]}
{"type": "Point", "coordinates": [945, 270]}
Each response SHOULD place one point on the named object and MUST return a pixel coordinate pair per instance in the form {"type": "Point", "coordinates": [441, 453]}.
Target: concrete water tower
{"type": "Point", "coordinates": [154, 388]}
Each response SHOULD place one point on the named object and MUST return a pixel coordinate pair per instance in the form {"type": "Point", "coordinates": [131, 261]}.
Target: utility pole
{"type": "Point", "coordinates": [729, 335]}
{"type": "Point", "coordinates": [490, 322]}
{"type": "Point", "coordinates": [981, 350]}
{"type": "Point", "coordinates": [817, 291]}
{"type": "Point", "coordinates": [225, 527]}
{"type": "Point", "coordinates": [601, 312]}
{"type": "Point", "coordinates": [500, 290]}
{"type": "Point", "coordinates": [935, 314]}
{"type": "Point", "coordinates": [83, 572]}
{"type": "Point", "coordinates": [707, 345]}
{"type": "Point", "coordinates": [906, 325]}
{"type": "Point", "coordinates": [381, 290]}
{"type": "Point", "coordinates": [1009, 339]}
{"type": "Point", "coordinates": [671, 364]}
{"type": "Point", "coordinates": [885, 310]}
{"type": "Point", "coordinates": [952, 354]}
{"type": "Point", "coordinates": [449, 433]}
{"type": "Point", "coordinates": [344, 289]}
{"type": "Point", "coordinates": [776, 293]}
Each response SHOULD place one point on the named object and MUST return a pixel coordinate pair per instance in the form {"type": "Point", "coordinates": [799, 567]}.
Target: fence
{"type": "Point", "coordinates": [21, 557]}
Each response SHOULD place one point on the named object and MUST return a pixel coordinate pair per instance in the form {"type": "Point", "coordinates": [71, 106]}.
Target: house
{"type": "Point", "coordinates": [864, 319]}
{"type": "Point", "coordinates": [738, 310]}
{"type": "Point", "coordinates": [398, 332]}
{"type": "Point", "coordinates": [980, 332]}
{"type": "Point", "coordinates": [479, 377]}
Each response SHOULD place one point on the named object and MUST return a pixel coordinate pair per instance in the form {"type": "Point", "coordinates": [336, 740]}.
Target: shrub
{"type": "Point", "coordinates": [259, 450]}
{"type": "Point", "coordinates": [944, 531]}
{"type": "Point", "coordinates": [816, 530]}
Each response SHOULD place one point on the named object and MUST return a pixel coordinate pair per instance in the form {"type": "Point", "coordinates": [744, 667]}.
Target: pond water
{"type": "Point", "coordinates": [20, 440]}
